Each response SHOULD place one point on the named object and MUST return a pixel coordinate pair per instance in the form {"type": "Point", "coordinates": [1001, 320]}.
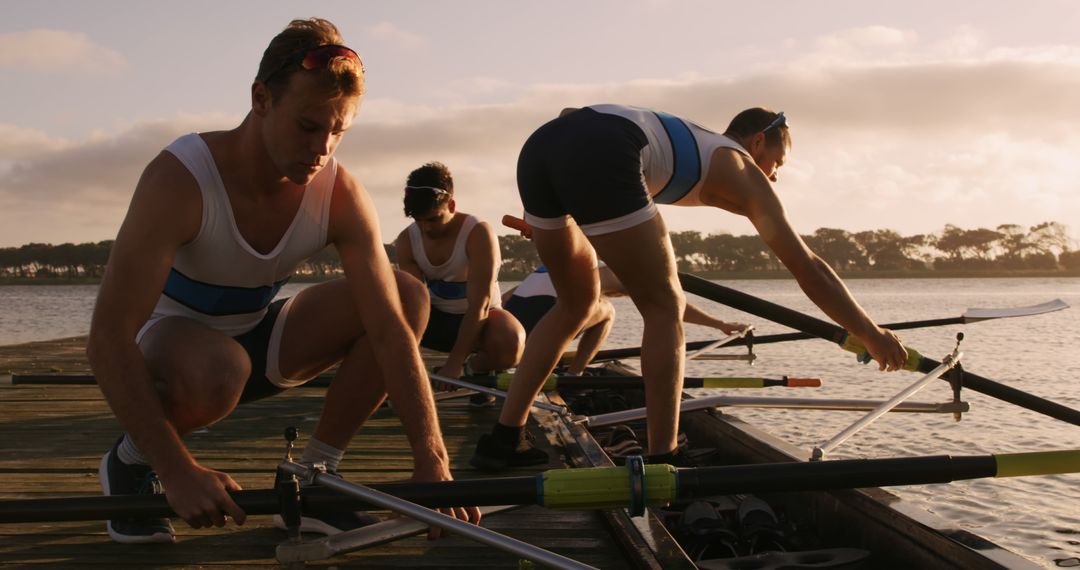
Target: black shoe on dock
{"type": "Point", "coordinates": [494, 455]}
{"type": "Point", "coordinates": [119, 478]}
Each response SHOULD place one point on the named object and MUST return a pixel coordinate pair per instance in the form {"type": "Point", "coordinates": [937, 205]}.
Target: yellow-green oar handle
{"type": "Point", "coordinates": [502, 382]}
{"type": "Point", "coordinates": [853, 344]}
{"type": "Point", "coordinates": [1037, 463]}
{"type": "Point", "coordinates": [604, 487]}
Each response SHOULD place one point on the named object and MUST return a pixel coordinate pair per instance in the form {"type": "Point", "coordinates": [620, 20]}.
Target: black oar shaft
{"type": "Point", "coordinates": [480, 492]}
{"type": "Point", "coordinates": [846, 474]}
{"type": "Point", "coordinates": [829, 331]}
{"type": "Point", "coordinates": [591, 488]}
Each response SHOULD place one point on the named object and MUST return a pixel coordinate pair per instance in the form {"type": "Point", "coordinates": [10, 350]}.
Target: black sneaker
{"type": "Point", "coordinates": [481, 400]}
{"type": "Point", "coordinates": [494, 455]}
{"type": "Point", "coordinates": [119, 478]}
{"type": "Point", "coordinates": [331, 523]}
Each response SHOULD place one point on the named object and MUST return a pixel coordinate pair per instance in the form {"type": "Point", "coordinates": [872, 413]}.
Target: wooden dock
{"type": "Point", "coordinates": [53, 437]}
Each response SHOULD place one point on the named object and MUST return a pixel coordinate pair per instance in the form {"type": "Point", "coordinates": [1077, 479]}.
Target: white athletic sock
{"type": "Point", "coordinates": [318, 452]}
{"type": "Point", "coordinates": [129, 454]}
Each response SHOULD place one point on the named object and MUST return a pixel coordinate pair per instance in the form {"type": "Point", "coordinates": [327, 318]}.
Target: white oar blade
{"type": "Point", "coordinates": [973, 315]}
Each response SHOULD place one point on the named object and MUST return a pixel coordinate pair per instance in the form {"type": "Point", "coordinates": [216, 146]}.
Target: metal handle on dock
{"type": "Point", "coordinates": [434, 518]}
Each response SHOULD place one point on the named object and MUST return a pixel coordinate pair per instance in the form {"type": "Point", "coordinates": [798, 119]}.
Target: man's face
{"type": "Point", "coordinates": [435, 224]}
{"type": "Point", "coordinates": [770, 158]}
{"type": "Point", "coordinates": [304, 126]}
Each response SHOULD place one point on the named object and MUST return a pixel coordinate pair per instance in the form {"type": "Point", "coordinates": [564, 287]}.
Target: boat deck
{"type": "Point", "coordinates": [53, 438]}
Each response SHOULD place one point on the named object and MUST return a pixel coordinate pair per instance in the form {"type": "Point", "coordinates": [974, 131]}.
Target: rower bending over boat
{"type": "Point", "coordinates": [589, 181]}
{"type": "Point", "coordinates": [184, 328]}
{"type": "Point", "coordinates": [535, 296]}
{"type": "Point", "coordinates": [457, 255]}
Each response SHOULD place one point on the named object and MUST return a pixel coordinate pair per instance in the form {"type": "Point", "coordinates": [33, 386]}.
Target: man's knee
{"type": "Point", "coordinates": [504, 338]}
{"type": "Point", "coordinates": [198, 392]}
{"type": "Point", "coordinates": [415, 301]}
{"type": "Point", "coordinates": [668, 307]}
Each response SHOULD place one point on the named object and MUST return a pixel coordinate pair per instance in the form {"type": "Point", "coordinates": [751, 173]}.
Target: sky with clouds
{"type": "Point", "coordinates": [905, 117]}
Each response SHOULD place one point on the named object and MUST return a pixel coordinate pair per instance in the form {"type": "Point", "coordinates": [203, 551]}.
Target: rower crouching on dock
{"type": "Point", "coordinates": [530, 300]}
{"type": "Point", "coordinates": [457, 256]}
{"type": "Point", "coordinates": [589, 182]}
{"type": "Point", "coordinates": [184, 329]}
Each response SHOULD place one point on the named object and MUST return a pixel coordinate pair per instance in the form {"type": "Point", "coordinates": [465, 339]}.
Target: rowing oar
{"type": "Point", "coordinates": [972, 315]}
{"type": "Point", "coordinates": [829, 331]}
{"type": "Point", "coordinates": [566, 382]}
{"type": "Point", "coordinates": [434, 518]}
{"type": "Point", "coordinates": [590, 488]}
{"type": "Point", "coordinates": [694, 350]}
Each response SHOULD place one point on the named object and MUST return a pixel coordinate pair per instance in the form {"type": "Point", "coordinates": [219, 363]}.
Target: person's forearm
{"type": "Point", "coordinates": [696, 316]}
{"type": "Point", "coordinates": [408, 388]}
{"type": "Point", "coordinates": [828, 292]}
{"type": "Point", "coordinates": [128, 387]}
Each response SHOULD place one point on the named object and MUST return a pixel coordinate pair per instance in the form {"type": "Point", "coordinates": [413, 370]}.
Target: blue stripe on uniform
{"type": "Point", "coordinates": [448, 289]}
{"type": "Point", "coordinates": [685, 158]}
{"type": "Point", "coordinates": [219, 300]}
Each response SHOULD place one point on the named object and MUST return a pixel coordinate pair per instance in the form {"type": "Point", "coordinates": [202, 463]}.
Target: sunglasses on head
{"type": "Point", "coordinates": [779, 121]}
{"type": "Point", "coordinates": [316, 58]}
{"type": "Point", "coordinates": [433, 190]}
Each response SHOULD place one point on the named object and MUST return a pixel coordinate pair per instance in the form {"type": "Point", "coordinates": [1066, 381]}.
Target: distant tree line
{"type": "Point", "coordinates": [1043, 247]}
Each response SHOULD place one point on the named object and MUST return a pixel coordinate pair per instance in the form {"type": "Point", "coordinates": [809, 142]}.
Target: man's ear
{"type": "Point", "coordinates": [261, 99]}
{"type": "Point", "coordinates": [757, 144]}
{"type": "Point", "coordinates": [451, 206]}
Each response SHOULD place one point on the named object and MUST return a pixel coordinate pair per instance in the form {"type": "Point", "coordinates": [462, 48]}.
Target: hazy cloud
{"type": "Point", "coordinates": [58, 51]}
{"type": "Point", "coordinates": [907, 147]}
{"type": "Point", "coordinates": [390, 33]}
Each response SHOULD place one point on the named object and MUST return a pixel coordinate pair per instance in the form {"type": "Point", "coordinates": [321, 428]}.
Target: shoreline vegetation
{"type": "Point", "coordinates": [511, 276]}
{"type": "Point", "coordinates": [1010, 250]}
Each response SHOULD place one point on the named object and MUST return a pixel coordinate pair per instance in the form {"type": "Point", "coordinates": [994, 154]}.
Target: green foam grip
{"type": "Point", "coordinates": [604, 487]}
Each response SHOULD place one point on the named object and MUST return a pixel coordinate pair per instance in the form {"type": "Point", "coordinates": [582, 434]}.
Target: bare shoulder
{"type": "Point", "coordinates": [482, 233]}
{"type": "Point", "coordinates": [167, 200]}
{"type": "Point", "coordinates": [734, 183]}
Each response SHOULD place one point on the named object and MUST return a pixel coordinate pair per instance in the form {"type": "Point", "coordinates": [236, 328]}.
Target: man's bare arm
{"type": "Point", "coordinates": [746, 189]}
{"type": "Point", "coordinates": [482, 250]}
{"type": "Point", "coordinates": [165, 212]}
{"type": "Point", "coordinates": [354, 230]}
{"type": "Point", "coordinates": [405, 260]}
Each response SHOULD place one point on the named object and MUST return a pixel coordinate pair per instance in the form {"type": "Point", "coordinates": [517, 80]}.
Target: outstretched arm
{"type": "Point", "coordinates": [354, 230]}
{"type": "Point", "coordinates": [746, 190]}
{"type": "Point", "coordinates": [165, 212]}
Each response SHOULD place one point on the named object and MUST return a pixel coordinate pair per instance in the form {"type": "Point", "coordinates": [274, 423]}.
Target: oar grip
{"type": "Point", "coordinates": [1037, 463]}
{"type": "Point", "coordinates": [853, 344]}
{"type": "Point", "coordinates": [504, 379]}
{"type": "Point", "coordinates": [603, 487]}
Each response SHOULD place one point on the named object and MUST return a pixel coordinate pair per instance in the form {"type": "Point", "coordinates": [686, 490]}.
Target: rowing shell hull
{"type": "Point", "coordinates": [898, 534]}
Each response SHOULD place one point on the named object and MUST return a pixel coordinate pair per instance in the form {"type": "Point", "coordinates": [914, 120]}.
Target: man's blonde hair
{"type": "Point", "coordinates": [342, 76]}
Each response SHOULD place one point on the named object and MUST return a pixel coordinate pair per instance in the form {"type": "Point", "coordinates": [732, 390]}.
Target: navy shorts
{"type": "Point", "coordinates": [256, 343]}
{"type": "Point", "coordinates": [586, 165]}
{"type": "Point", "coordinates": [529, 310]}
{"type": "Point", "coordinates": [442, 330]}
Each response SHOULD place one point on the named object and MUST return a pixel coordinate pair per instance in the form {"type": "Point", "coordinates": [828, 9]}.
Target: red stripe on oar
{"type": "Point", "coordinates": [803, 382]}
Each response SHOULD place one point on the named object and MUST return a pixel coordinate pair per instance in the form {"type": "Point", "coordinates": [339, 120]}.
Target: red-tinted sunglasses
{"type": "Point", "coordinates": [316, 58]}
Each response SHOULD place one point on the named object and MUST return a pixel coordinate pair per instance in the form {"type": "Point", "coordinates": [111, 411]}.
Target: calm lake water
{"type": "Point", "coordinates": [1038, 517]}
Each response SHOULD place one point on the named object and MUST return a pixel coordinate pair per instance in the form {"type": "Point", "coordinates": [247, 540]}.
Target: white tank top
{"type": "Point", "coordinates": [218, 279]}
{"type": "Point", "coordinates": [447, 282]}
{"type": "Point", "coordinates": [677, 157]}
